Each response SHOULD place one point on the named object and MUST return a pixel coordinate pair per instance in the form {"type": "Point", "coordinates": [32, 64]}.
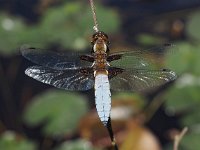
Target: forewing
{"type": "Point", "coordinates": [71, 79]}
{"type": "Point", "coordinates": [140, 79]}
{"type": "Point", "coordinates": [140, 58]}
{"type": "Point", "coordinates": [59, 61]}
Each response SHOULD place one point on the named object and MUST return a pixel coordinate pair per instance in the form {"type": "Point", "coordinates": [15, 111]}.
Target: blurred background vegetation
{"type": "Point", "coordinates": [35, 116]}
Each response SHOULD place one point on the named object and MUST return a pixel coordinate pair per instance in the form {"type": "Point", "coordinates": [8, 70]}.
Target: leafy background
{"type": "Point", "coordinates": [37, 116]}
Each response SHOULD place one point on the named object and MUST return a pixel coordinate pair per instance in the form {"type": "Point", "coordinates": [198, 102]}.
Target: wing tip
{"type": "Point", "coordinates": [172, 73]}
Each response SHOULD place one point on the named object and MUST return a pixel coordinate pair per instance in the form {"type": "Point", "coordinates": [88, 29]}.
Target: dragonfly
{"type": "Point", "coordinates": [102, 70]}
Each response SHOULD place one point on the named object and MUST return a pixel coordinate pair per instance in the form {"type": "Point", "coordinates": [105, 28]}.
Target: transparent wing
{"type": "Point", "coordinates": [71, 79]}
{"type": "Point", "coordinates": [59, 61]}
{"type": "Point", "coordinates": [140, 79]}
{"type": "Point", "coordinates": [140, 58]}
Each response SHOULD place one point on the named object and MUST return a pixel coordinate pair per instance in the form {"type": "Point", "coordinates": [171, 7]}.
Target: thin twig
{"type": "Point", "coordinates": [179, 137]}
{"type": "Point", "coordinates": [94, 16]}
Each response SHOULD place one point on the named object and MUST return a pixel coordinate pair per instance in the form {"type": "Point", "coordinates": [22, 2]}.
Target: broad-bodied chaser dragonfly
{"type": "Point", "coordinates": [101, 70]}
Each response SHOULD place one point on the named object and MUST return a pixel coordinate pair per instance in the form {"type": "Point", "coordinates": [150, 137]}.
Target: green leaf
{"type": "Point", "coordinates": [192, 118]}
{"type": "Point", "coordinates": [11, 30]}
{"type": "Point", "coordinates": [59, 110]}
{"type": "Point", "coordinates": [191, 141]}
{"type": "Point", "coordinates": [185, 94]}
{"type": "Point", "coordinates": [180, 98]}
{"type": "Point", "coordinates": [10, 141]}
{"type": "Point", "coordinates": [192, 27]}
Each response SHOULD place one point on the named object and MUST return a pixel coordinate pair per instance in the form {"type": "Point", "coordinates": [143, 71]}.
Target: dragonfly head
{"type": "Point", "coordinates": [100, 41]}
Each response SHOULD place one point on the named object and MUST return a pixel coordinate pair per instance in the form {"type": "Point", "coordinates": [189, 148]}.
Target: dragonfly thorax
{"type": "Point", "coordinates": [100, 42]}
{"type": "Point", "coordinates": [100, 49]}
{"type": "Point", "coordinates": [100, 62]}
